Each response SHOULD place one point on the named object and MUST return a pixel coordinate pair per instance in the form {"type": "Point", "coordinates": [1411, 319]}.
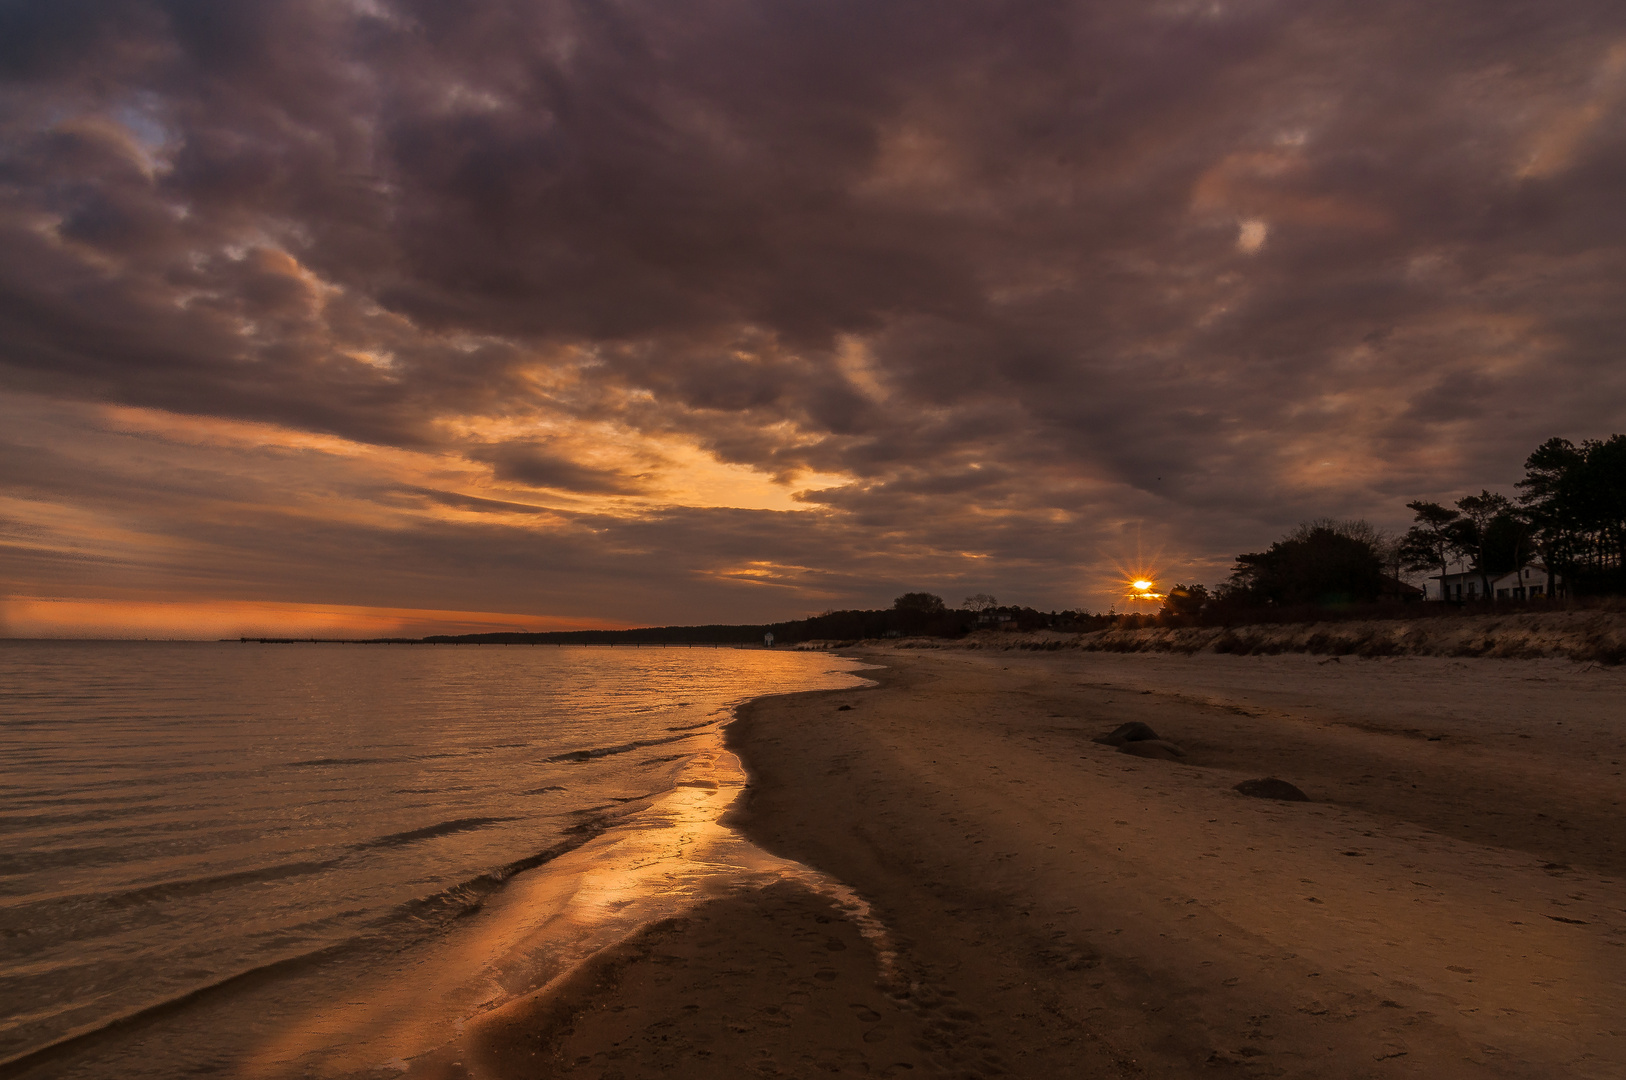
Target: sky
{"type": "Point", "coordinates": [370, 317]}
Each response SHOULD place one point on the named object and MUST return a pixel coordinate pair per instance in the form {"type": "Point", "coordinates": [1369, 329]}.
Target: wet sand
{"type": "Point", "coordinates": [1450, 902]}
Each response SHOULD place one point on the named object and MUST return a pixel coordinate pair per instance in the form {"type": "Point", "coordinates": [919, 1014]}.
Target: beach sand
{"type": "Point", "coordinates": [1451, 901]}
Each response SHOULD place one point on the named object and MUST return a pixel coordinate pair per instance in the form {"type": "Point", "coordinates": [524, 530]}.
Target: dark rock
{"type": "Point", "coordinates": [1158, 749]}
{"type": "Point", "coordinates": [1271, 788]}
{"type": "Point", "coordinates": [1134, 731]}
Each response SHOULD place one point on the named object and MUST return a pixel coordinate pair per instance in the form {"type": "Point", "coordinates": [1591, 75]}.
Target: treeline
{"type": "Point", "coordinates": [911, 615]}
{"type": "Point", "coordinates": [1323, 562]}
{"type": "Point", "coordinates": [649, 635]}
{"type": "Point", "coordinates": [1569, 516]}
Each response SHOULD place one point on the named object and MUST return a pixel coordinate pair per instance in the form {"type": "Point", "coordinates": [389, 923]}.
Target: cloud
{"type": "Point", "coordinates": [475, 503]}
{"type": "Point", "coordinates": [535, 466]}
{"type": "Point", "coordinates": [944, 278]}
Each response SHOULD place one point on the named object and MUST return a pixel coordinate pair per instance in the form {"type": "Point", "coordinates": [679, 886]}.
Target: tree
{"type": "Point", "coordinates": [1575, 498]}
{"type": "Point", "coordinates": [919, 613]}
{"type": "Point", "coordinates": [1507, 543]}
{"type": "Point", "coordinates": [1604, 480]}
{"type": "Point", "coordinates": [981, 602]}
{"type": "Point", "coordinates": [1384, 543]}
{"type": "Point", "coordinates": [1315, 564]}
{"type": "Point", "coordinates": [1472, 531]}
{"type": "Point", "coordinates": [1550, 504]}
{"type": "Point", "coordinates": [1484, 529]}
{"type": "Point", "coordinates": [920, 603]}
{"type": "Point", "coordinates": [1431, 542]}
{"type": "Point", "coordinates": [1358, 529]}
{"type": "Point", "coordinates": [1185, 600]}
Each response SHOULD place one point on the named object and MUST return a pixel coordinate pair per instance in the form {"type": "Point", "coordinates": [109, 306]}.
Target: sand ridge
{"type": "Point", "coordinates": [1595, 634]}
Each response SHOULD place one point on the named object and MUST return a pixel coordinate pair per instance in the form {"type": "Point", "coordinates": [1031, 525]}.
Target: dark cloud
{"type": "Point", "coordinates": [474, 502]}
{"type": "Point", "coordinates": [1017, 274]}
{"type": "Point", "coordinates": [536, 466]}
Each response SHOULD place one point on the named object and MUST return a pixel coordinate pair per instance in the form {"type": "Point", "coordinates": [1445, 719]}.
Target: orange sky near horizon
{"type": "Point", "coordinates": [212, 620]}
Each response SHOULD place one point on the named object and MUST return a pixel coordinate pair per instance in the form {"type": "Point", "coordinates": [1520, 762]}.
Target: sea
{"type": "Point", "coordinates": [243, 859]}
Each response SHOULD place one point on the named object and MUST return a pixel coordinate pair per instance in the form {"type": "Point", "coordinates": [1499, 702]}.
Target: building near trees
{"type": "Point", "coordinates": [1525, 583]}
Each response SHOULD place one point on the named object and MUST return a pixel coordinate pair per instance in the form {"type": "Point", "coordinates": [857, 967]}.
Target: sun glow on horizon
{"type": "Point", "coordinates": [1137, 581]}
{"type": "Point", "coordinates": [1142, 589]}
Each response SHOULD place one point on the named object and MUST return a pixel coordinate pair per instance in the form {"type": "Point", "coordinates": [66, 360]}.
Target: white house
{"type": "Point", "coordinates": [1528, 582]}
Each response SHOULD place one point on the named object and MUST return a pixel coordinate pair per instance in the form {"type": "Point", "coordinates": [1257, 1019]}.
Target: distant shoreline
{"type": "Point", "coordinates": [455, 641]}
{"type": "Point", "coordinates": [1590, 633]}
{"type": "Point", "coordinates": [1597, 636]}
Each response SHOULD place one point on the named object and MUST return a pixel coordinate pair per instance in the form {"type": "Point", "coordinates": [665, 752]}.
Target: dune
{"type": "Point", "coordinates": [1584, 635]}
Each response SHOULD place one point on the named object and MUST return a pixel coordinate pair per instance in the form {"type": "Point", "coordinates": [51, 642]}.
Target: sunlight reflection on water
{"type": "Point", "coordinates": [200, 843]}
{"type": "Point", "coordinates": [658, 864]}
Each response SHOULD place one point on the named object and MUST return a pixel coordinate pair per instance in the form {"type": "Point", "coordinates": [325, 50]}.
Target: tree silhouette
{"type": "Point", "coordinates": [1575, 499]}
{"type": "Point", "coordinates": [922, 603]}
{"type": "Point", "coordinates": [1185, 600]}
{"type": "Point", "coordinates": [1507, 543]}
{"type": "Point", "coordinates": [1313, 565]}
{"type": "Point", "coordinates": [1431, 542]}
{"type": "Point", "coordinates": [1472, 531]}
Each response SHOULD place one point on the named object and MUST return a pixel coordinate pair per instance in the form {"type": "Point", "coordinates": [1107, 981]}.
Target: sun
{"type": "Point", "coordinates": [1142, 589]}
{"type": "Point", "coordinates": [1138, 585]}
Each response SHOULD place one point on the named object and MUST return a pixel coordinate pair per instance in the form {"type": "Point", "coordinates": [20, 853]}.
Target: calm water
{"type": "Point", "coordinates": [185, 820]}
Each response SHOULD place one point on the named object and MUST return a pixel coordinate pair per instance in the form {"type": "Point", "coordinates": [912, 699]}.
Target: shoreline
{"type": "Point", "coordinates": [638, 843]}
{"type": "Point", "coordinates": [939, 873]}
{"type": "Point", "coordinates": [1061, 909]}
{"type": "Point", "coordinates": [527, 964]}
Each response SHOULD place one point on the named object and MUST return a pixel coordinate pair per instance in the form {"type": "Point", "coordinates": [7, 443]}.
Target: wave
{"type": "Point", "coordinates": [318, 762]}
{"type": "Point", "coordinates": [14, 821]}
{"type": "Point", "coordinates": [429, 832]}
{"type": "Point", "coordinates": [137, 1019]}
{"type": "Point", "coordinates": [466, 897]}
{"type": "Point", "coordinates": [417, 917]}
{"type": "Point", "coordinates": [606, 751]}
{"type": "Point", "coordinates": [13, 864]}
{"type": "Point", "coordinates": [168, 890]}
{"type": "Point", "coordinates": [31, 862]}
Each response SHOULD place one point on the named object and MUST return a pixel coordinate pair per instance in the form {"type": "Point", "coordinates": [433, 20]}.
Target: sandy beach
{"type": "Point", "coordinates": [1449, 902]}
